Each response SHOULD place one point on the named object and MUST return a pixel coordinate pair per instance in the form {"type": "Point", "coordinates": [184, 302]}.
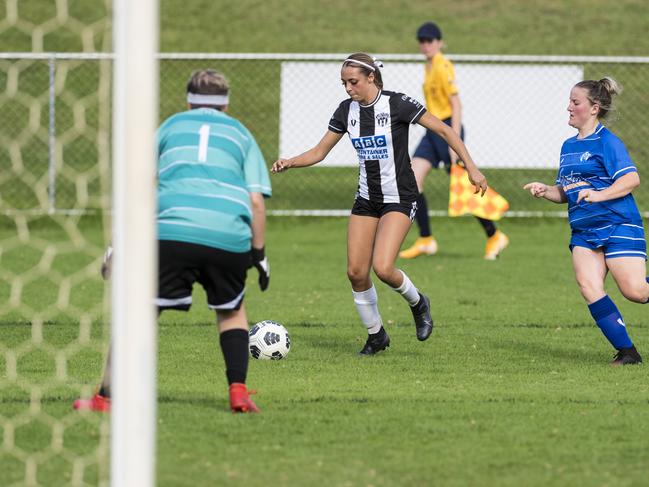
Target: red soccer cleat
{"type": "Point", "coordinates": [240, 401]}
{"type": "Point", "coordinates": [97, 403]}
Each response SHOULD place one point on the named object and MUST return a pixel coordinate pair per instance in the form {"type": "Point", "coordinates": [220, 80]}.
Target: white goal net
{"type": "Point", "coordinates": [53, 305]}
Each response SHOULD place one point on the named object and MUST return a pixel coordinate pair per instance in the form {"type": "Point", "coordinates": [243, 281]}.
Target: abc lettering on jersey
{"type": "Point", "coordinates": [208, 164]}
{"type": "Point", "coordinates": [379, 133]}
{"type": "Point", "coordinates": [596, 162]}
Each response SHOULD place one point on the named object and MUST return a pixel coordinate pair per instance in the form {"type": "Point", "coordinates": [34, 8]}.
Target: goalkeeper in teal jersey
{"type": "Point", "coordinates": [212, 181]}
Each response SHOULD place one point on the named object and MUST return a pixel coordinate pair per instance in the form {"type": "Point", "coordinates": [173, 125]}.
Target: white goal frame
{"type": "Point", "coordinates": [134, 323]}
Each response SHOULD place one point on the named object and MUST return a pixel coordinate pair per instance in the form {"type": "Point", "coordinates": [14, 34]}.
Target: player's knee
{"type": "Point", "coordinates": [589, 290]}
{"type": "Point", "coordinates": [383, 271]}
{"type": "Point", "coordinates": [231, 318]}
{"type": "Point", "coordinates": [356, 275]}
{"type": "Point", "coordinates": [637, 293]}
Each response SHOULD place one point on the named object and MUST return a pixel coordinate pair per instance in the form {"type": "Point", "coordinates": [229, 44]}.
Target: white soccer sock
{"type": "Point", "coordinates": [408, 290]}
{"type": "Point", "coordinates": [367, 305]}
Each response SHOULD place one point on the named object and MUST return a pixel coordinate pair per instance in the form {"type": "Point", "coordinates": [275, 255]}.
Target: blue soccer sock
{"type": "Point", "coordinates": [610, 321]}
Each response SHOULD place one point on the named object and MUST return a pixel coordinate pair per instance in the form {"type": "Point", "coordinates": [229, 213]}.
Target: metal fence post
{"type": "Point", "coordinates": [51, 188]}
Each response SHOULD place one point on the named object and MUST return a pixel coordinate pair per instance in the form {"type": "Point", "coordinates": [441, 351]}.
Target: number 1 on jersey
{"type": "Point", "coordinates": [204, 133]}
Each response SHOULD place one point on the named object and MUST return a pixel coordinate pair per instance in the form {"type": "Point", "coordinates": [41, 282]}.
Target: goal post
{"type": "Point", "coordinates": [134, 329]}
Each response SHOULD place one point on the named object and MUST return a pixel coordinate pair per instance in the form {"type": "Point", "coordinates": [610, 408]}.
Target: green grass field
{"type": "Point", "coordinates": [513, 388]}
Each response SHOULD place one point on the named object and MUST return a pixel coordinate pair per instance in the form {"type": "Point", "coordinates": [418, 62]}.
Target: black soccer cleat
{"type": "Point", "coordinates": [627, 356]}
{"type": "Point", "coordinates": [375, 343]}
{"type": "Point", "coordinates": [423, 320]}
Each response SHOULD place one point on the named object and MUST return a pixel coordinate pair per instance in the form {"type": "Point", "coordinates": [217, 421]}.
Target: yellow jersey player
{"type": "Point", "coordinates": [442, 101]}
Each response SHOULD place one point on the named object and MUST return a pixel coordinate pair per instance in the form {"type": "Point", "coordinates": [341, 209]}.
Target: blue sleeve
{"type": "Point", "coordinates": [616, 158]}
{"type": "Point", "coordinates": [255, 170]}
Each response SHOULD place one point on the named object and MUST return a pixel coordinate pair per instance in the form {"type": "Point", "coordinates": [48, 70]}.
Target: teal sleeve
{"type": "Point", "coordinates": [161, 133]}
{"type": "Point", "coordinates": [255, 170]}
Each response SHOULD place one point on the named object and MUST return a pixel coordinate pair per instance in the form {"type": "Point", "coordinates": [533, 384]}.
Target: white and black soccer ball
{"type": "Point", "coordinates": [268, 340]}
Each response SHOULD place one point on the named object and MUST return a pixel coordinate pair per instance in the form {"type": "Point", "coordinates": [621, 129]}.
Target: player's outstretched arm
{"type": "Point", "coordinates": [310, 157]}
{"type": "Point", "coordinates": [550, 193]}
{"type": "Point", "coordinates": [476, 178]}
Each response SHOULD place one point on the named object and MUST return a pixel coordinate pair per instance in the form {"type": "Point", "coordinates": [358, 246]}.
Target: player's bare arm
{"type": "Point", "coordinates": [456, 121]}
{"type": "Point", "coordinates": [258, 220]}
{"type": "Point", "coordinates": [310, 157]}
{"type": "Point", "coordinates": [620, 188]}
{"type": "Point", "coordinates": [476, 178]}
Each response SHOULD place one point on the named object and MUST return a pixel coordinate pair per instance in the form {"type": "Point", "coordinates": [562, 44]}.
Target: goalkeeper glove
{"type": "Point", "coordinates": [260, 261]}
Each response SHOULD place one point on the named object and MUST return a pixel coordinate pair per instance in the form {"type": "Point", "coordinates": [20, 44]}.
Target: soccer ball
{"type": "Point", "coordinates": [268, 340]}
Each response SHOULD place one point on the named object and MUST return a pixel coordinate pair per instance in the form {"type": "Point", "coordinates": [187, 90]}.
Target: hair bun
{"type": "Point", "coordinates": [610, 85]}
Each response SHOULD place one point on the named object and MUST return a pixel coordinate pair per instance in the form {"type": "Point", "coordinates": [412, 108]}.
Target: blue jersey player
{"type": "Point", "coordinates": [596, 177]}
{"type": "Point", "coordinates": [212, 180]}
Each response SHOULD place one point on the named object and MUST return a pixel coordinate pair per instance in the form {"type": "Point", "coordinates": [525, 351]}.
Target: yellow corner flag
{"type": "Point", "coordinates": [491, 206]}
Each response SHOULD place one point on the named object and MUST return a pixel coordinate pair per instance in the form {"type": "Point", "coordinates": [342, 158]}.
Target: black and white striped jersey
{"type": "Point", "coordinates": [379, 133]}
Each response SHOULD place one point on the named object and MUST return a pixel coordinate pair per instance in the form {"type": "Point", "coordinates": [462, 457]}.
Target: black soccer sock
{"type": "Point", "coordinates": [104, 387]}
{"type": "Point", "coordinates": [488, 225]}
{"type": "Point", "coordinates": [422, 216]}
{"type": "Point", "coordinates": [234, 345]}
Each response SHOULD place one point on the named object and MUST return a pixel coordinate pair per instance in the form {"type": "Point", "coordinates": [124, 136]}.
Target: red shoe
{"type": "Point", "coordinates": [240, 401]}
{"type": "Point", "coordinates": [97, 403]}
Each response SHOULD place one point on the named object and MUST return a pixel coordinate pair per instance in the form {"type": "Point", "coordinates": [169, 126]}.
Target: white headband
{"type": "Point", "coordinates": [373, 68]}
{"type": "Point", "coordinates": [198, 99]}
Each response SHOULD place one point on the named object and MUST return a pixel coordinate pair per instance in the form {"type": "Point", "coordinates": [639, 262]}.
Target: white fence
{"type": "Point", "coordinates": [55, 112]}
{"type": "Point", "coordinates": [496, 105]}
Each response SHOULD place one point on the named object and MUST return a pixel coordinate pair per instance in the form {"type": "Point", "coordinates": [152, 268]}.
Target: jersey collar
{"type": "Point", "coordinates": [378, 95]}
{"type": "Point", "coordinates": [595, 133]}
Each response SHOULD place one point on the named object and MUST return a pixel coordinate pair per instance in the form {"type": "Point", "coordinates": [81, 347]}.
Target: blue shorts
{"type": "Point", "coordinates": [624, 240]}
{"type": "Point", "coordinates": [434, 148]}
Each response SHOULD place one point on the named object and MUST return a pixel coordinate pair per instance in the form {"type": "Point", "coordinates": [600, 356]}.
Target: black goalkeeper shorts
{"type": "Point", "coordinates": [221, 273]}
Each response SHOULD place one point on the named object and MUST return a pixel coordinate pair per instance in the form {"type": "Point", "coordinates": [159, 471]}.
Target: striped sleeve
{"type": "Point", "coordinates": [255, 170]}
{"type": "Point", "coordinates": [338, 122]}
{"type": "Point", "coordinates": [409, 109]}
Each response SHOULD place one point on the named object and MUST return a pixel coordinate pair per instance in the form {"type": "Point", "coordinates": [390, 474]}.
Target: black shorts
{"type": "Point", "coordinates": [222, 274]}
{"type": "Point", "coordinates": [363, 207]}
{"type": "Point", "coordinates": [434, 148]}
